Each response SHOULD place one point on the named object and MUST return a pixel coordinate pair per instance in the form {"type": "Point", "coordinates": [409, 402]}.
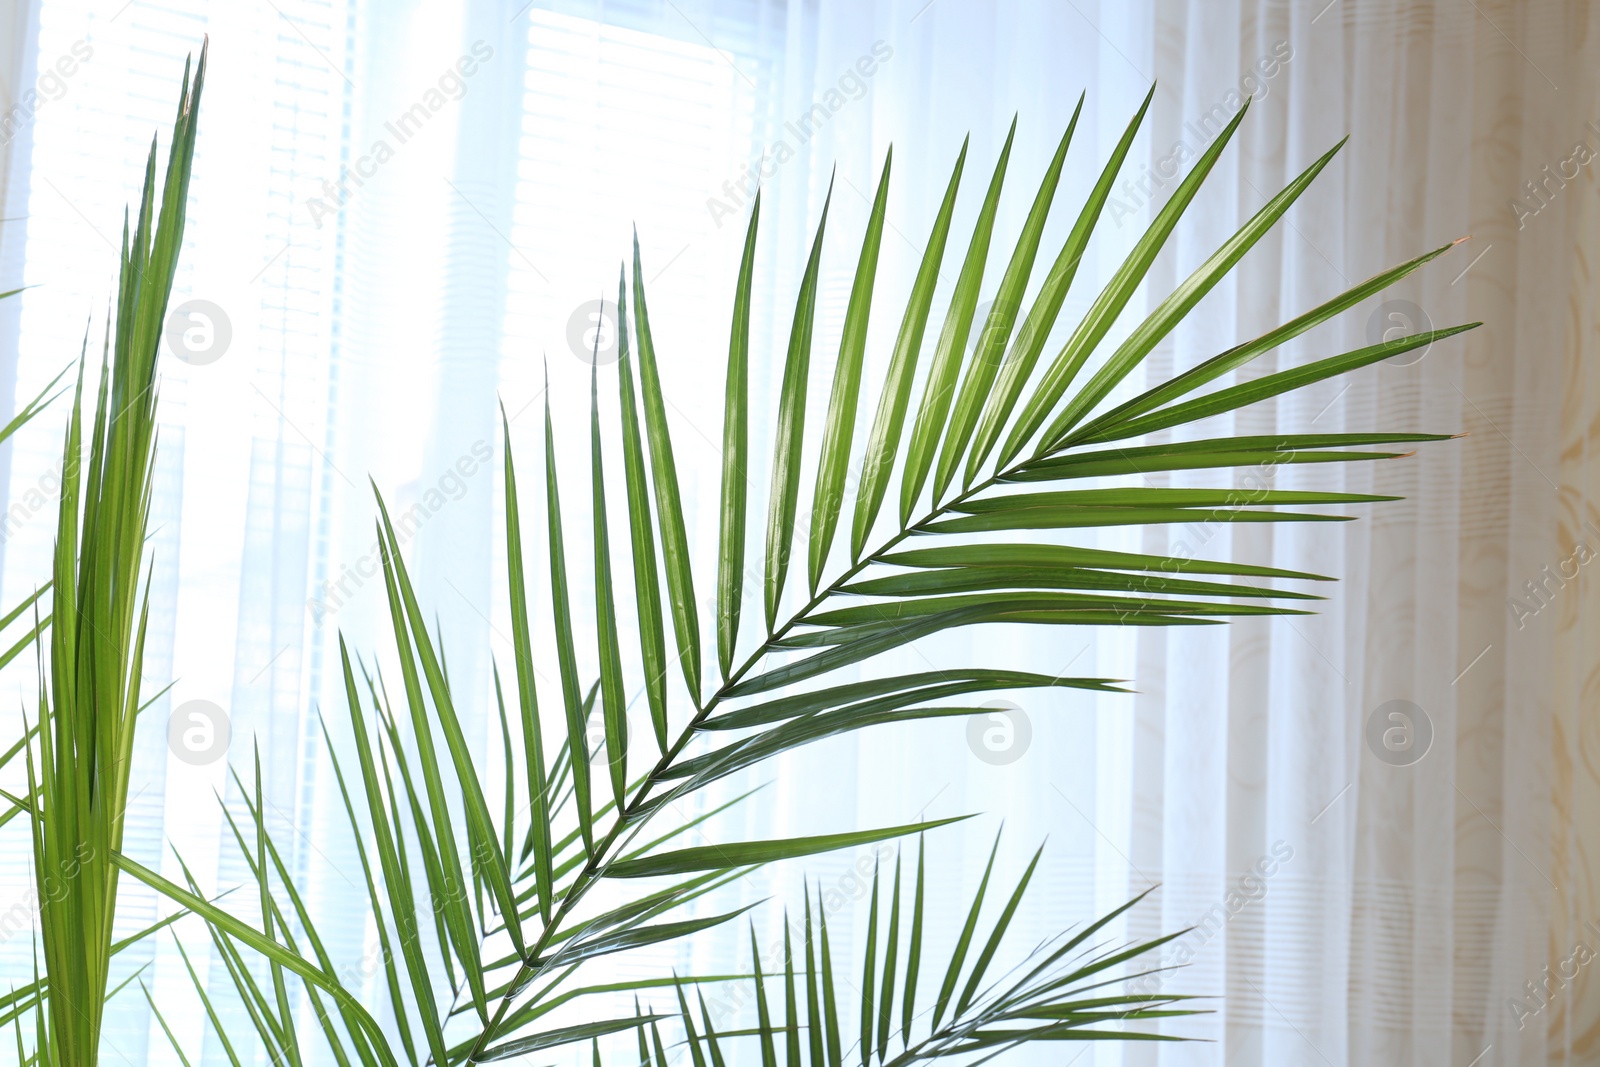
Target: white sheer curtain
{"type": "Point", "coordinates": [1348, 910]}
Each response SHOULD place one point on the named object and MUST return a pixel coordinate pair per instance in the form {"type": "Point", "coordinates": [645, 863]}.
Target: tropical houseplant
{"type": "Point", "coordinates": [78, 750]}
{"type": "Point", "coordinates": [483, 906]}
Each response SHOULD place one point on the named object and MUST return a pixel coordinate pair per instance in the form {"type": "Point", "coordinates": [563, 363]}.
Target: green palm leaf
{"type": "Point", "coordinates": [566, 641]}
{"type": "Point", "coordinates": [78, 764]}
{"type": "Point", "coordinates": [735, 457]}
{"type": "Point", "coordinates": [613, 702]}
{"type": "Point", "coordinates": [669, 505]}
{"type": "Point", "coordinates": [647, 589]}
{"type": "Point", "coordinates": [1000, 442]}
{"type": "Point", "coordinates": [839, 429]}
{"type": "Point", "coordinates": [788, 440]}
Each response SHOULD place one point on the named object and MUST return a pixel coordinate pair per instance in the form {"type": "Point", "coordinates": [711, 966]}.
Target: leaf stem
{"type": "Point", "coordinates": [591, 869]}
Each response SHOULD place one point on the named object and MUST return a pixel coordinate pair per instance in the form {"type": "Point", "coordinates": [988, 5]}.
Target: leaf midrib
{"type": "Point", "coordinates": [588, 875]}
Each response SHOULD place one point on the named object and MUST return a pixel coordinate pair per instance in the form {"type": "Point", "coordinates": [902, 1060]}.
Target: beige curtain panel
{"type": "Point", "coordinates": [1428, 745]}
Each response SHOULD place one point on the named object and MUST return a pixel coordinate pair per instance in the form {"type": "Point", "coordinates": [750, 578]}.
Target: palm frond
{"type": "Point", "coordinates": [89, 688]}
{"type": "Point", "coordinates": [1072, 987]}
{"type": "Point", "coordinates": [1001, 441]}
